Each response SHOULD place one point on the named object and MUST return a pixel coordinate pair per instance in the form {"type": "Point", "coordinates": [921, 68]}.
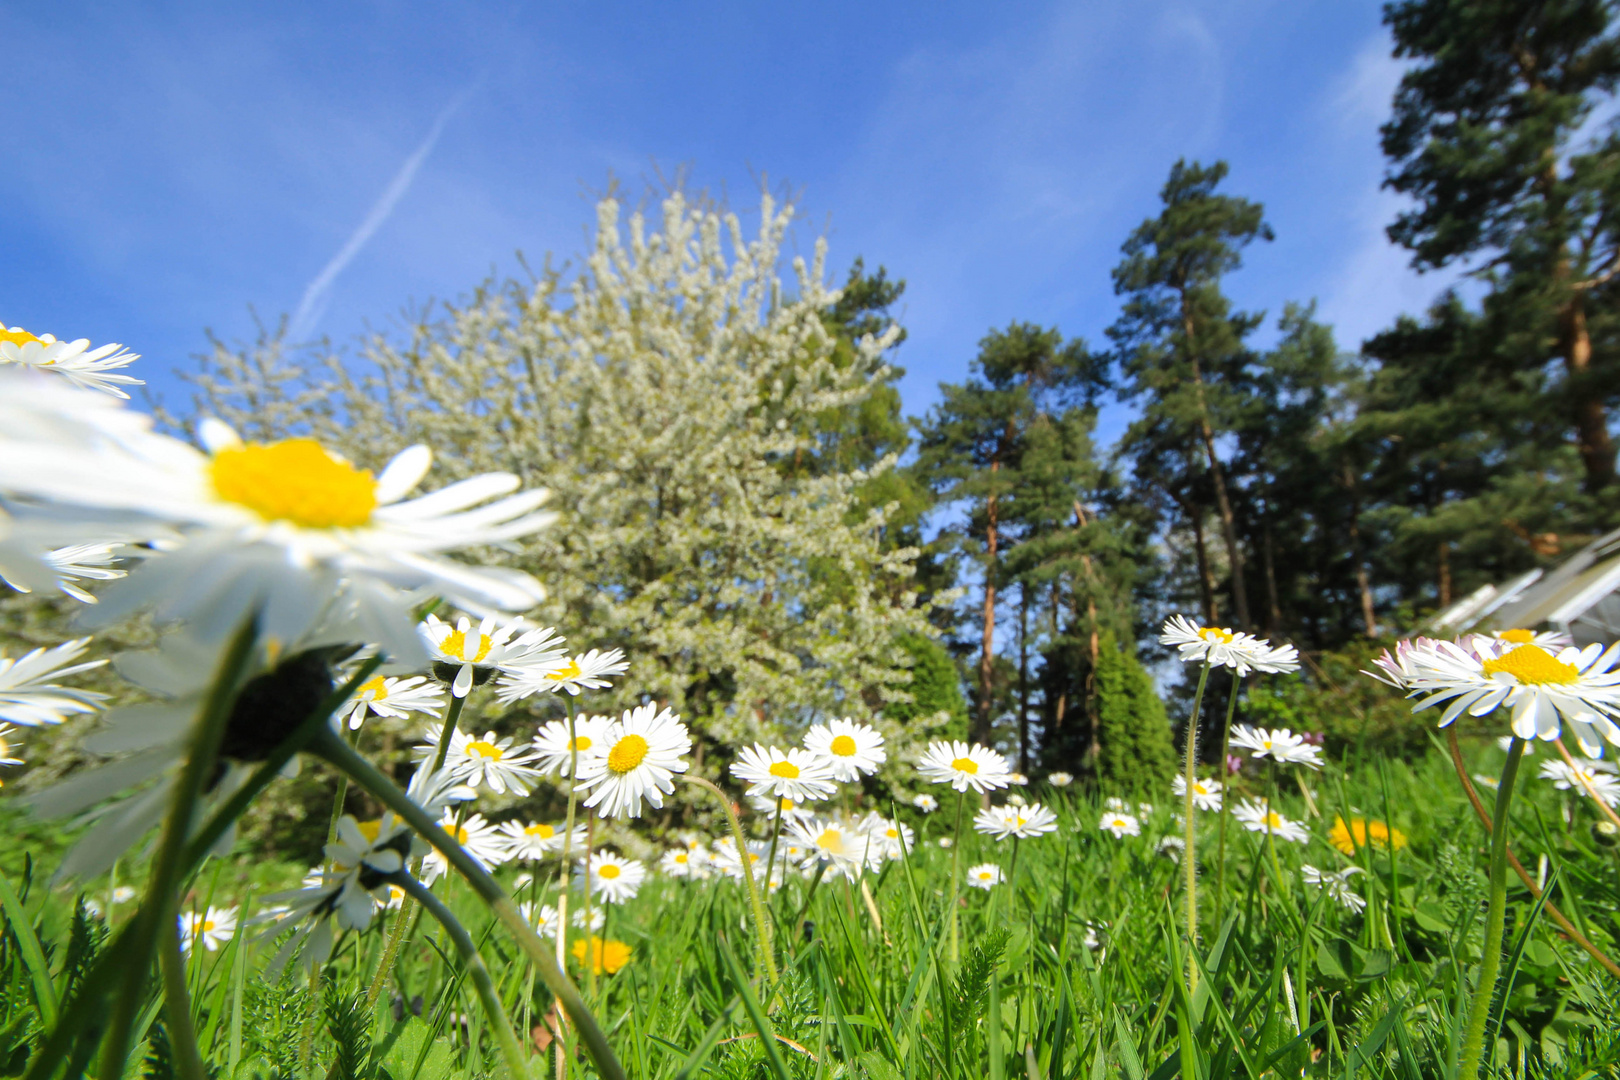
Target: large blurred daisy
{"type": "Point", "coordinates": [287, 525]}
{"type": "Point", "coordinates": [92, 369]}
{"type": "Point", "coordinates": [635, 762]}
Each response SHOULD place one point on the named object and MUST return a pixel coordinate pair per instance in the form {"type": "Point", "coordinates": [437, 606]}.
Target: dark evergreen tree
{"type": "Point", "coordinates": [1136, 754]}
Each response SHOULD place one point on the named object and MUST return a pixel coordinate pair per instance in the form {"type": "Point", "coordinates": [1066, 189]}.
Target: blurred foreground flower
{"type": "Point", "coordinates": [91, 369]}
{"type": "Point", "coordinates": [606, 957]}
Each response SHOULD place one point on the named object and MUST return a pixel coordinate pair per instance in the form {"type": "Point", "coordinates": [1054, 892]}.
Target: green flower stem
{"type": "Point", "coordinates": [770, 859]}
{"type": "Point", "coordinates": [1495, 918]}
{"type": "Point", "coordinates": [177, 1007]}
{"type": "Point", "coordinates": [762, 926]}
{"type": "Point", "coordinates": [452, 718]}
{"type": "Point", "coordinates": [329, 746]}
{"type": "Point", "coordinates": [1188, 860]}
{"type": "Point", "coordinates": [585, 887]}
{"type": "Point", "coordinates": [567, 864]}
{"type": "Point", "coordinates": [170, 865]}
{"type": "Point", "coordinates": [1226, 796]}
{"type": "Point", "coordinates": [396, 937]}
{"type": "Point", "coordinates": [956, 877]}
{"type": "Point", "coordinates": [353, 735]}
{"type": "Point", "coordinates": [511, 1050]}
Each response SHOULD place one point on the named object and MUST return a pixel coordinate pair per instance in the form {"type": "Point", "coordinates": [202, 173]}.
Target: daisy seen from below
{"type": "Point", "coordinates": [964, 766]}
{"type": "Point", "coordinates": [587, 671]}
{"type": "Point", "coordinates": [1206, 794]}
{"type": "Point", "coordinates": [1542, 690]}
{"type": "Point", "coordinates": [1350, 838]}
{"type": "Point", "coordinates": [845, 850]}
{"type": "Point", "coordinates": [489, 761]}
{"type": "Point", "coordinates": [984, 876]}
{"type": "Point", "coordinates": [636, 762]}
{"type": "Point", "coordinates": [465, 655]}
{"type": "Point", "coordinates": [1336, 885]}
{"type": "Point", "coordinates": [1280, 745]}
{"type": "Point", "coordinates": [533, 841]}
{"type": "Point", "coordinates": [1121, 825]}
{"type": "Point", "coordinates": [347, 891]}
{"type": "Point", "coordinates": [613, 878]}
{"type": "Point", "coordinates": [925, 802]}
{"type": "Point", "coordinates": [555, 750]}
{"type": "Point", "coordinates": [1021, 822]}
{"type": "Point", "coordinates": [29, 697]}
{"type": "Point", "coordinates": [848, 749]}
{"type": "Point", "coordinates": [288, 525]}
{"type": "Point", "coordinates": [393, 696]}
{"type": "Point", "coordinates": [477, 838]}
{"type": "Point", "coordinates": [1060, 779]}
{"type": "Point", "coordinates": [214, 928]}
{"type": "Point", "coordinates": [76, 361]}
{"type": "Point", "coordinates": [790, 774]}
{"type": "Point", "coordinates": [1587, 777]}
{"type": "Point", "coordinates": [1220, 647]}
{"type": "Point", "coordinates": [1258, 816]}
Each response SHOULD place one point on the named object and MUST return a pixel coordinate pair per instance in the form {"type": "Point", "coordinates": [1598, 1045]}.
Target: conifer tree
{"type": "Point", "coordinates": [1136, 754]}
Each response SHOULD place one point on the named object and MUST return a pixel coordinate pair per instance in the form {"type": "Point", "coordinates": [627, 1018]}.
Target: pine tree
{"type": "Point", "coordinates": [1136, 754]}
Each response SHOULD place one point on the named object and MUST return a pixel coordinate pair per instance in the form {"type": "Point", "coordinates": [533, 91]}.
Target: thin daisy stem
{"type": "Point", "coordinates": [1012, 881]}
{"type": "Point", "coordinates": [1586, 785]}
{"type": "Point", "coordinates": [809, 895]}
{"type": "Point", "coordinates": [1188, 859]}
{"type": "Point", "coordinates": [566, 868]}
{"type": "Point", "coordinates": [762, 927]}
{"type": "Point", "coordinates": [170, 865]}
{"type": "Point", "coordinates": [1495, 918]}
{"type": "Point", "coordinates": [342, 794]}
{"type": "Point", "coordinates": [1226, 796]}
{"type": "Point", "coordinates": [585, 881]}
{"type": "Point", "coordinates": [188, 1063]}
{"type": "Point", "coordinates": [956, 876]}
{"type": "Point", "coordinates": [447, 733]}
{"type": "Point", "coordinates": [483, 985]}
{"type": "Point", "coordinates": [770, 860]}
{"type": "Point", "coordinates": [396, 937]}
{"type": "Point", "coordinates": [327, 745]}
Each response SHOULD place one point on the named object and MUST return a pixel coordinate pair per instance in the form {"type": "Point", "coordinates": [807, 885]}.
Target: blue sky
{"type": "Point", "coordinates": [173, 165]}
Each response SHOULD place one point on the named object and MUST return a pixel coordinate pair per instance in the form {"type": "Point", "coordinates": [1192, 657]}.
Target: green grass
{"type": "Point", "coordinates": [1077, 970]}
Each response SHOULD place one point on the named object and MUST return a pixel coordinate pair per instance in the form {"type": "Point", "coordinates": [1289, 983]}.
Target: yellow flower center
{"type": "Point", "coordinates": [581, 743]}
{"type": "Point", "coordinates": [207, 925]}
{"type": "Point", "coordinates": [681, 856]}
{"type": "Point", "coordinates": [484, 749]}
{"type": "Point", "coordinates": [1273, 821]}
{"type": "Point", "coordinates": [370, 829]}
{"type": "Point", "coordinates": [568, 671]}
{"type": "Point", "coordinates": [1517, 637]}
{"type": "Point", "coordinates": [843, 746]}
{"type": "Point", "coordinates": [967, 765]}
{"type": "Point", "coordinates": [785, 769]}
{"type": "Point", "coordinates": [455, 644]}
{"type": "Point", "coordinates": [1533, 666]}
{"type": "Point", "coordinates": [626, 754]}
{"type": "Point", "coordinates": [16, 335]}
{"type": "Point", "coordinates": [984, 875]}
{"type": "Point", "coordinates": [373, 689]}
{"type": "Point", "coordinates": [891, 832]}
{"type": "Point", "coordinates": [831, 840]}
{"type": "Point", "coordinates": [1217, 634]}
{"type": "Point", "coordinates": [295, 480]}
{"type": "Point", "coordinates": [607, 870]}
{"type": "Point", "coordinates": [544, 832]}
{"type": "Point", "coordinates": [459, 832]}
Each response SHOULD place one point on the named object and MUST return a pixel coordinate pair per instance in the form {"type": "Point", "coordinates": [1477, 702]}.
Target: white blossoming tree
{"type": "Point", "coordinates": [666, 395]}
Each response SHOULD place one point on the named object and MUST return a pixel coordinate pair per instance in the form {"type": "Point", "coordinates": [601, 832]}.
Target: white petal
{"type": "Point", "coordinates": [403, 473]}
{"type": "Point", "coordinates": [464, 680]}
{"type": "Point", "coordinates": [217, 435]}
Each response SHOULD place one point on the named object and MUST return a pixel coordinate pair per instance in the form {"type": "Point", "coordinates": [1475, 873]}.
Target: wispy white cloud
{"type": "Point", "coordinates": [318, 292]}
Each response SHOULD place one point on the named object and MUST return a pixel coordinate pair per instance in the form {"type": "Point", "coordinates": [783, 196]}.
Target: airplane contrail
{"type": "Point", "coordinates": [313, 304]}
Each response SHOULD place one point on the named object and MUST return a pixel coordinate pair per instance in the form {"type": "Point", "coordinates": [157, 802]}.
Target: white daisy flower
{"type": "Point", "coordinates": [727, 862]}
{"type": "Point", "coordinates": [794, 774]}
{"type": "Point", "coordinates": [1113, 802]}
{"type": "Point", "coordinates": [768, 804]}
{"type": "Point", "coordinates": [925, 802]}
{"type": "Point", "coordinates": [123, 894]}
{"type": "Point", "coordinates": [29, 699]}
{"type": "Point", "coordinates": [1017, 779]}
{"type": "Point", "coordinates": [91, 369]}
{"type": "Point", "coordinates": [534, 840]}
{"type": "Point", "coordinates": [1004, 822]}
{"type": "Point", "coordinates": [391, 695]}
{"type": "Point", "coordinates": [985, 876]}
{"type": "Point", "coordinates": [1543, 690]}
{"type": "Point", "coordinates": [6, 732]}
{"type": "Point", "coordinates": [555, 750]}
{"type": "Point", "coordinates": [849, 750]}
{"type": "Point", "coordinates": [944, 841]}
{"type": "Point", "coordinates": [466, 656]}
{"type": "Point", "coordinates": [1257, 816]}
{"type": "Point", "coordinates": [1279, 744]}
{"type": "Point", "coordinates": [683, 862]}
{"type": "Point", "coordinates": [1551, 640]}
{"type": "Point", "coordinates": [892, 838]}
{"type": "Point", "coordinates": [487, 762]}
{"type": "Point", "coordinates": [1226, 648]}
{"type": "Point", "coordinates": [477, 838]}
{"type": "Point", "coordinates": [543, 918]}
{"type": "Point", "coordinates": [845, 850]}
{"type": "Point", "coordinates": [286, 525]}
{"type": "Point", "coordinates": [1206, 793]}
{"type": "Point", "coordinates": [1060, 779]}
{"type": "Point", "coordinates": [1145, 809]}
{"type": "Point", "coordinates": [214, 928]}
{"type": "Point", "coordinates": [587, 671]}
{"type": "Point", "coordinates": [613, 878]}
{"type": "Point", "coordinates": [1596, 779]}
{"type": "Point", "coordinates": [1121, 825]}
{"type": "Point", "coordinates": [963, 766]}
{"type": "Point", "coordinates": [76, 562]}
{"type": "Point", "coordinates": [1336, 885]}
{"type": "Point", "coordinates": [1172, 846]}
{"type": "Point", "coordinates": [636, 761]}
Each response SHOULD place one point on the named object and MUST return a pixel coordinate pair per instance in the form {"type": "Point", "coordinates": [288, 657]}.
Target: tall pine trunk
{"type": "Point", "coordinates": [1206, 429]}
{"type": "Point", "coordinates": [1591, 419]}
